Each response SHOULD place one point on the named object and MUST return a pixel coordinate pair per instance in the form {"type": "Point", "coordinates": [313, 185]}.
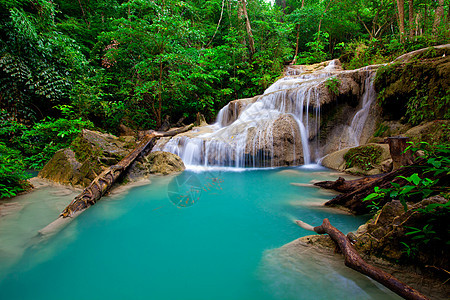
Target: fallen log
{"type": "Point", "coordinates": [345, 186]}
{"type": "Point", "coordinates": [353, 200]}
{"type": "Point", "coordinates": [103, 182]}
{"type": "Point", "coordinates": [353, 260]}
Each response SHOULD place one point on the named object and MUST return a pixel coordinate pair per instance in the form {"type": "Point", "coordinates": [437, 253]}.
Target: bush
{"type": "Point", "coordinates": [43, 139]}
{"type": "Point", "coordinates": [12, 172]}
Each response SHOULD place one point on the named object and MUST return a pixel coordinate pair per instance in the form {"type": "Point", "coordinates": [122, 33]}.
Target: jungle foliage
{"type": "Point", "coordinates": [71, 64]}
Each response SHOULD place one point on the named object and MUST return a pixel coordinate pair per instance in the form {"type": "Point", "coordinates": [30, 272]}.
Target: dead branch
{"type": "Point", "coordinates": [353, 260]}
{"type": "Point", "coordinates": [103, 182]}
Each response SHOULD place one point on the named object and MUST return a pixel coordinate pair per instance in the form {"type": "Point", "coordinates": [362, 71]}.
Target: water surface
{"type": "Point", "coordinates": [197, 235]}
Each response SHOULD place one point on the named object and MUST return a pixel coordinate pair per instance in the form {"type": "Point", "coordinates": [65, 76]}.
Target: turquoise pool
{"type": "Point", "coordinates": [210, 234]}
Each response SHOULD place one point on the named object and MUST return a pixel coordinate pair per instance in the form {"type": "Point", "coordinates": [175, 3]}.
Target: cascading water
{"type": "Point", "coordinates": [278, 128]}
{"type": "Point", "coordinates": [352, 135]}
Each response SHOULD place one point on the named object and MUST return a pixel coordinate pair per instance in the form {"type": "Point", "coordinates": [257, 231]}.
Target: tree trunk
{"type": "Point", "coordinates": [103, 182]}
{"type": "Point", "coordinates": [251, 42]}
{"type": "Point", "coordinates": [411, 18]}
{"type": "Point", "coordinates": [321, 18]}
{"type": "Point", "coordinates": [438, 15]}
{"type": "Point", "coordinates": [353, 200]}
{"type": "Point", "coordinates": [397, 146]}
{"type": "Point", "coordinates": [159, 111]}
{"type": "Point", "coordinates": [353, 260]}
{"type": "Point", "coordinates": [294, 61]}
{"type": "Point", "coordinates": [347, 186]}
{"type": "Point", "coordinates": [401, 18]}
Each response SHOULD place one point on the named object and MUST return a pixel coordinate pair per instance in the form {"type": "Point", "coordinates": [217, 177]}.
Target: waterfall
{"type": "Point", "coordinates": [351, 136]}
{"type": "Point", "coordinates": [278, 128]}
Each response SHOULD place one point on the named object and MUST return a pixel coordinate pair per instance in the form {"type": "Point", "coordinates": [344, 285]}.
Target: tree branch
{"type": "Point", "coordinates": [353, 260]}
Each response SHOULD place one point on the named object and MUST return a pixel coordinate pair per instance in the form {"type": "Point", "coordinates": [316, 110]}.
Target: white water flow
{"type": "Point", "coordinates": [274, 129]}
{"type": "Point", "coordinates": [352, 135]}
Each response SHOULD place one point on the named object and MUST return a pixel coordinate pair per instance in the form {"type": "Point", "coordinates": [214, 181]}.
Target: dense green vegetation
{"type": "Point", "coordinates": [427, 242]}
{"type": "Point", "coordinates": [67, 65]}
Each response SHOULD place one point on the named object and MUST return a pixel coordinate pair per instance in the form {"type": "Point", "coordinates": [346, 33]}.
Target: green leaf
{"type": "Point", "coordinates": [414, 178]}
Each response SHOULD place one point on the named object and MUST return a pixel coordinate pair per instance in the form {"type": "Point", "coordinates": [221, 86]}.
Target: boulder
{"type": "Point", "coordinates": [276, 145]}
{"type": "Point", "coordinates": [381, 162]}
{"type": "Point", "coordinates": [230, 112]}
{"type": "Point", "coordinates": [384, 233]}
{"type": "Point", "coordinates": [103, 144]}
{"type": "Point", "coordinates": [335, 160]}
{"type": "Point", "coordinates": [157, 162]}
{"type": "Point", "coordinates": [434, 132]}
{"type": "Point", "coordinates": [64, 168]}
{"type": "Point", "coordinates": [88, 155]}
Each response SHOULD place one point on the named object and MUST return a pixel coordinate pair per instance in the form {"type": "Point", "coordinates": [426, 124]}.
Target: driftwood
{"type": "Point", "coordinates": [353, 199]}
{"type": "Point", "coordinates": [353, 260]}
{"type": "Point", "coordinates": [103, 182]}
{"type": "Point", "coordinates": [345, 186]}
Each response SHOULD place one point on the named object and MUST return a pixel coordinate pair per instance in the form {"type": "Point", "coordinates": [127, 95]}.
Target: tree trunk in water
{"type": "Point", "coordinates": [353, 260]}
{"type": "Point", "coordinates": [401, 18]}
{"type": "Point", "coordinates": [346, 186]}
{"type": "Point", "coordinates": [353, 200]}
{"type": "Point", "coordinates": [411, 18]}
{"type": "Point", "coordinates": [103, 182]}
{"type": "Point", "coordinates": [251, 41]}
{"type": "Point", "coordinates": [438, 15]}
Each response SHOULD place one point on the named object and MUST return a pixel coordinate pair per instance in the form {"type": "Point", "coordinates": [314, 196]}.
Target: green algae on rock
{"type": "Point", "coordinates": [88, 155]}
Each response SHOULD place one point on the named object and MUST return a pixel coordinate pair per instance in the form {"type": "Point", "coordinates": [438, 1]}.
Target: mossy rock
{"type": "Point", "coordinates": [364, 157]}
{"type": "Point", "coordinates": [385, 235]}
{"type": "Point", "coordinates": [96, 144]}
{"type": "Point", "coordinates": [64, 168]}
{"type": "Point", "coordinates": [416, 88]}
{"type": "Point", "coordinates": [433, 133]}
{"type": "Point", "coordinates": [370, 159]}
{"type": "Point", "coordinates": [89, 154]}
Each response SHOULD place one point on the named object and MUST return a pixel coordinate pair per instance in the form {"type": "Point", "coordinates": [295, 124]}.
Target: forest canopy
{"type": "Point", "coordinates": [69, 65]}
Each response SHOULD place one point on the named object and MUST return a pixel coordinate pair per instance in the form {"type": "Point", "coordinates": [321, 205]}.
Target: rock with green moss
{"type": "Point", "coordinates": [386, 234]}
{"type": "Point", "coordinates": [433, 133]}
{"type": "Point", "coordinates": [370, 159]}
{"type": "Point", "coordinates": [89, 154]}
{"type": "Point", "coordinates": [64, 168]}
{"type": "Point", "coordinates": [415, 87]}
